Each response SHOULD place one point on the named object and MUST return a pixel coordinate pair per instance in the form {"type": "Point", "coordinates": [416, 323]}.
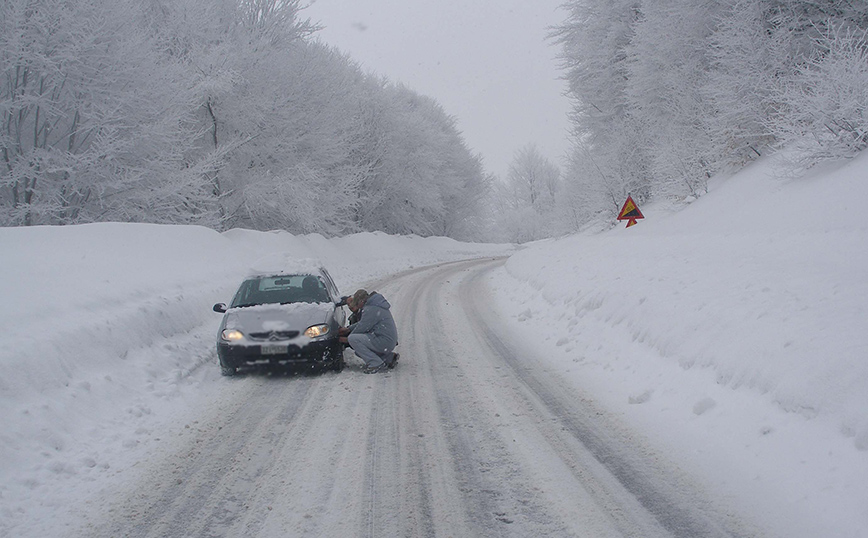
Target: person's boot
{"type": "Point", "coordinates": [375, 369]}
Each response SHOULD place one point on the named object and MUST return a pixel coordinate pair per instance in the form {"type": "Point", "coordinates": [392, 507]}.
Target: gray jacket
{"type": "Point", "coordinates": [377, 322]}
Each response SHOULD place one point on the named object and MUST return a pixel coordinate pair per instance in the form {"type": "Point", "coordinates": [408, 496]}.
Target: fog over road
{"type": "Point", "coordinates": [468, 436]}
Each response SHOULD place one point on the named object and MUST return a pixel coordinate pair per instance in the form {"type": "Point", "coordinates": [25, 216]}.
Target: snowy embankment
{"type": "Point", "coordinates": [107, 330]}
{"type": "Point", "coordinates": [733, 332]}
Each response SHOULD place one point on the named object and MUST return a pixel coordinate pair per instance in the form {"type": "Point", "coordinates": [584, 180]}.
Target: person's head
{"type": "Point", "coordinates": [357, 300]}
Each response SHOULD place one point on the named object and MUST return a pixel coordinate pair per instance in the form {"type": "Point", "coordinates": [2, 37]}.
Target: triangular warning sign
{"type": "Point", "coordinates": [630, 212]}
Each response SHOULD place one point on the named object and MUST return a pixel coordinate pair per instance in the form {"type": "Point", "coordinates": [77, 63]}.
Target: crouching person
{"type": "Point", "coordinates": [374, 336]}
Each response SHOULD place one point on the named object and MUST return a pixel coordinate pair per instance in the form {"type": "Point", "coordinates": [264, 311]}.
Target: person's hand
{"type": "Point", "coordinates": [343, 331]}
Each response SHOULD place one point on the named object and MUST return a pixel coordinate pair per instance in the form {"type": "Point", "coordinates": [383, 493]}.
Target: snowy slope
{"type": "Point", "coordinates": [734, 332]}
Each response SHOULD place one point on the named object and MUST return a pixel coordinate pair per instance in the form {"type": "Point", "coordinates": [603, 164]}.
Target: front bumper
{"type": "Point", "coordinates": [314, 353]}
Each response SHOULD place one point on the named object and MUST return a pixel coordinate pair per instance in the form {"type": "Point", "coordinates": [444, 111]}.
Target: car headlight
{"type": "Point", "coordinates": [232, 335]}
{"type": "Point", "coordinates": [316, 330]}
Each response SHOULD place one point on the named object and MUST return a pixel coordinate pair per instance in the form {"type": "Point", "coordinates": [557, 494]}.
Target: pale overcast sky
{"type": "Point", "coordinates": [488, 63]}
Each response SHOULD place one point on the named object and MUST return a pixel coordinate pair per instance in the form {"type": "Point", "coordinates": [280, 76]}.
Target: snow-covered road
{"type": "Point", "coordinates": [466, 437]}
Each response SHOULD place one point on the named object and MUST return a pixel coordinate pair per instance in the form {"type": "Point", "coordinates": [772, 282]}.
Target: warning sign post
{"type": "Point", "coordinates": [630, 212]}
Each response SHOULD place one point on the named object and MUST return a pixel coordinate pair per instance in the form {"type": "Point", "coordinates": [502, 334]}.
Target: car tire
{"type": "Point", "coordinates": [228, 371]}
{"type": "Point", "coordinates": [336, 356]}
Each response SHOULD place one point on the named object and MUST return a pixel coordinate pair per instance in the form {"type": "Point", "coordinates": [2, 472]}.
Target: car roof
{"type": "Point", "coordinates": [288, 267]}
{"type": "Point", "coordinates": [270, 274]}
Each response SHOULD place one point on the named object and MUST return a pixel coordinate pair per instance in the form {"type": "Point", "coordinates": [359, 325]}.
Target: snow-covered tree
{"type": "Point", "coordinates": [823, 106]}
{"type": "Point", "coordinates": [610, 155]}
{"type": "Point", "coordinates": [666, 94]}
{"type": "Point", "coordinates": [533, 180]}
{"type": "Point", "coordinates": [747, 57]}
{"type": "Point", "coordinates": [666, 76]}
{"type": "Point", "coordinates": [216, 112]}
{"type": "Point", "coordinates": [93, 125]}
{"type": "Point", "coordinates": [527, 200]}
{"type": "Point", "coordinates": [426, 181]}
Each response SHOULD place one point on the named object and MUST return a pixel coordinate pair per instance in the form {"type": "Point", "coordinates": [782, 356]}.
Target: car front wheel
{"type": "Point", "coordinates": [336, 356]}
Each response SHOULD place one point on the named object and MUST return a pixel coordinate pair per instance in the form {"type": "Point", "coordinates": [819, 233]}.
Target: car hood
{"type": "Point", "coordinates": [264, 318]}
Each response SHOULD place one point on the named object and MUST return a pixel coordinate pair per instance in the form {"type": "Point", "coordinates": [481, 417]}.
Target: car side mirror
{"type": "Point", "coordinates": [220, 307]}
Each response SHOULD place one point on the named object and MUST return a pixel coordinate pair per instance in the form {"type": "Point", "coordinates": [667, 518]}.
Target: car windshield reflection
{"type": "Point", "coordinates": [283, 289]}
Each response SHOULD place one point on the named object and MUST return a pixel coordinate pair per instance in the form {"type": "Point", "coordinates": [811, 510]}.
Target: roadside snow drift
{"type": "Point", "coordinates": [735, 331]}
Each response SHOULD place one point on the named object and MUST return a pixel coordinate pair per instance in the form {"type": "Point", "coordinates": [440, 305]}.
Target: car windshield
{"type": "Point", "coordinates": [282, 289]}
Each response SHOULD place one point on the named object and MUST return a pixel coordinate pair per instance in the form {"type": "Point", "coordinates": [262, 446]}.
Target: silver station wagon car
{"type": "Point", "coordinates": [282, 319]}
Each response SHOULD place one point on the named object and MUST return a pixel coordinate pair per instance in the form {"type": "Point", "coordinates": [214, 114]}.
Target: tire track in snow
{"type": "Point", "coordinates": [184, 490]}
{"type": "Point", "coordinates": [462, 439]}
{"type": "Point", "coordinates": [662, 491]}
{"type": "Point", "coordinates": [499, 495]}
{"type": "Point", "coordinates": [407, 493]}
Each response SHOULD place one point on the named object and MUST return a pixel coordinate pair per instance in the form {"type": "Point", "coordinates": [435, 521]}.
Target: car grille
{"type": "Point", "coordinates": [273, 335]}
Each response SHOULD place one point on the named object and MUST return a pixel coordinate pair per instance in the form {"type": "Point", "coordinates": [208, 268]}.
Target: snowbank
{"type": "Point", "coordinates": [79, 298]}
{"type": "Point", "coordinates": [733, 331]}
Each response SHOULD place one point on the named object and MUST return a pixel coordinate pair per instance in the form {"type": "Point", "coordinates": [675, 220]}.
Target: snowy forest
{"type": "Point", "coordinates": [668, 94]}
{"type": "Point", "coordinates": [230, 113]}
{"type": "Point", "coordinates": [221, 113]}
